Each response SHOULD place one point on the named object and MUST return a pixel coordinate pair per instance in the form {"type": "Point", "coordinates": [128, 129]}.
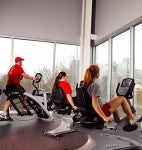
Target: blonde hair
{"type": "Point", "coordinates": [90, 75]}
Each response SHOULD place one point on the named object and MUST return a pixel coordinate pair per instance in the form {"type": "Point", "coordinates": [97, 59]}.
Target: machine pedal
{"type": "Point", "coordinates": [8, 119]}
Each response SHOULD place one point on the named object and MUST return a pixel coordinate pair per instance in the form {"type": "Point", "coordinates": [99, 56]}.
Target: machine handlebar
{"type": "Point", "coordinates": [38, 78]}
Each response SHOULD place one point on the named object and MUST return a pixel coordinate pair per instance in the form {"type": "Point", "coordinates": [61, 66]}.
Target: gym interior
{"type": "Point", "coordinates": [70, 35]}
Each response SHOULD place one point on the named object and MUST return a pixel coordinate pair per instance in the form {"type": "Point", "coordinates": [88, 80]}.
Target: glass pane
{"type": "Point", "coordinates": [37, 55]}
{"type": "Point", "coordinates": [5, 56]}
{"type": "Point", "coordinates": [138, 68]}
{"type": "Point", "coordinates": [65, 54]}
{"type": "Point", "coordinates": [102, 62]}
{"type": "Point", "coordinates": [5, 63]}
{"type": "Point", "coordinates": [67, 59]}
{"type": "Point", "coordinates": [38, 58]}
{"type": "Point", "coordinates": [120, 60]}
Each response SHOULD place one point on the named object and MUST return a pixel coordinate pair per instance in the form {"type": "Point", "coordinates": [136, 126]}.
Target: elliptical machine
{"type": "Point", "coordinates": [39, 101]}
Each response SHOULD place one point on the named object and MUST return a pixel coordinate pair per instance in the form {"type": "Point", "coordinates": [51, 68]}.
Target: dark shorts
{"type": "Point", "coordinates": [15, 87]}
{"type": "Point", "coordinates": [106, 108]}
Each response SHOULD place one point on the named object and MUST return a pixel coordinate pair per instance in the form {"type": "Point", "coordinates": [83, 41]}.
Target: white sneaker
{"type": "Point", "coordinates": [136, 118]}
{"type": "Point", "coordinates": [3, 115]}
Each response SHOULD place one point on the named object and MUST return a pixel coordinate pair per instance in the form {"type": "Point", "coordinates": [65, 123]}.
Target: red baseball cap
{"type": "Point", "coordinates": [17, 59]}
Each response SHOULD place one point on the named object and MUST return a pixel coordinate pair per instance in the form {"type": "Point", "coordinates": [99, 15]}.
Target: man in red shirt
{"type": "Point", "coordinates": [15, 74]}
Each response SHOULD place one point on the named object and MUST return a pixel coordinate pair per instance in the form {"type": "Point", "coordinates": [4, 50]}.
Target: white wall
{"type": "Point", "coordinates": [111, 15]}
{"type": "Point", "coordinates": [48, 20]}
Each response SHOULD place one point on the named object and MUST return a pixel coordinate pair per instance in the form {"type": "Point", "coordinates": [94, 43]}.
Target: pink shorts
{"type": "Point", "coordinates": [106, 108]}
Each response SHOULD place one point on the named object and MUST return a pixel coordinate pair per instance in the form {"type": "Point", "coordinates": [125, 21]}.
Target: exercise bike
{"type": "Point", "coordinates": [125, 88]}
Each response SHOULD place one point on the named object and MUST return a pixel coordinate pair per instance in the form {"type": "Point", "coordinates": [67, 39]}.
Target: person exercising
{"type": "Point", "coordinates": [15, 75]}
{"type": "Point", "coordinates": [61, 81]}
{"type": "Point", "coordinates": [105, 110]}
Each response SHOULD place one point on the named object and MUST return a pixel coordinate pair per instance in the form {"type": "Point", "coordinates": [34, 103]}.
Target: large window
{"type": "Point", "coordinates": [5, 56]}
{"type": "Point", "coordinates": [138, 67]}
{"type": "Point", "coordinates": [65, 54]}
{"type": "Point", "coordinates": [37, 55]}
{"type": "Point", "coordinates": [46, 58]}
{"type": "Point", "coordinates": [67, 59]}
{"type": "Point", "coordinates": [120, 59]}
{"type": "Point", "coordinates": [38, 58]}
{"type": "Point", "coordinates": [102, 62]}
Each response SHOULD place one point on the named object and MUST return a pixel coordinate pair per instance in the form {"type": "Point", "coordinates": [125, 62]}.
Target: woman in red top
{"type": "Point", "coordinates": [15, 74]}
{"type": "Point", "coordinates": [61, 81]}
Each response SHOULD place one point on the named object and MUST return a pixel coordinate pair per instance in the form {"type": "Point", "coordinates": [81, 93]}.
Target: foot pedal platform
{"type": "Point", "coordinates": [24, 113]}
{"type": "Point", "coordinates": [139, 120]}
{"type": "Point", "coordinates": [130, 128]}
{"type": "Point", "coordinates": [57, 133]}
{"type": "Point", "coordinates": [8, 119]}
{"type": "Point", "coordinates": [63, 128]}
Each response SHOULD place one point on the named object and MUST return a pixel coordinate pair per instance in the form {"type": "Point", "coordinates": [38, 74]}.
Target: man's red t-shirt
{"type": "Point", "coordinates": [66, 88]}
{"type": "Point", "coordinates": [15, 75]}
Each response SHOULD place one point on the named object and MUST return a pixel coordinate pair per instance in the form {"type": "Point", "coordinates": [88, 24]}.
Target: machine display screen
{"type": "Point", "coordinates": [127, 82]}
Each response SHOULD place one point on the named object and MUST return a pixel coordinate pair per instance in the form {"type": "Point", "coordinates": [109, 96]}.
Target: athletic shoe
{"type": "Point", "coordinates": [3, 116]}
{"type": "Point", "coordinates": [136, 118]}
